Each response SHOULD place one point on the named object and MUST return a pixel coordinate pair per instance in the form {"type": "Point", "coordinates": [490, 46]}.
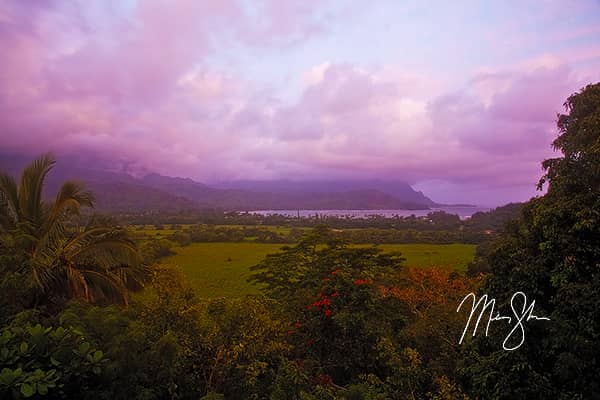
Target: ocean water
{"type": "Point", "coordinates": [462, 212]}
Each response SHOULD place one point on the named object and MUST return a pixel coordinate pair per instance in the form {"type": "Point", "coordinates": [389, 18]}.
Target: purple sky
{"type": "Point", "coordinates": [457, 98]}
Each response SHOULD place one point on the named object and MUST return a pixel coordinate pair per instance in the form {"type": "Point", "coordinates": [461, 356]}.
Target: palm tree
{"type": "Point", "coordinates": [65, 260]}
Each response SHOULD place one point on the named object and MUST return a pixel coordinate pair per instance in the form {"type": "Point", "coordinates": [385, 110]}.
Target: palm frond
{"type": "Point", "coordinates": [104, 286]}
{"type": "Point", "coordinates": [132, 277]}
{"type": "Point", "coordinates": [112, 254]}
{"type": "Point", "coordinates": [91, 263]}
{"type": "Point", "coordinates": [77, 284]}
{"type": "Point", "coordinates": [9, 202]}
{"type": "Point", "coordinates": [70, 198]}
{"type": "Point", "coordinates": [48, 240]}
{"type": "Point", "coordinates": [103, 246]}
{"type": "Point", "coordinates": [31, 187]}
{"type": "Point", "coordinates": [87, 236]}
{"type": "Point", "coordinates": [44, 278]}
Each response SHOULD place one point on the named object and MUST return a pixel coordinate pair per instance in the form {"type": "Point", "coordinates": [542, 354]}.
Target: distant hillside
{"type": "Point", "coordinates": [400, 190]}
{"type": "Point", "coordinates": [495, 220]}
{"type": "Point", "coordinates": [121, 192]}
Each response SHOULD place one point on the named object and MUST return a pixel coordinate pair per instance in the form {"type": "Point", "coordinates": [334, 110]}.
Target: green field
{"type": "Point", "coordinates": [221, 269]}
{"type": "Point", "coordinates": [282, 230]}
{"type": "Point", "coordinates": [454, 256]}
{"type": "Point", "coordinates": [150, 230]}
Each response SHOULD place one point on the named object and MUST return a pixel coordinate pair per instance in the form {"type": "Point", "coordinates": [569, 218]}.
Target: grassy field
{"type": "Point", "coordinates": [221, 269]}
{"type": "Point", "coordinates": [282, 230]}
{"type": "Point", "coordinates": [453, 256]}
{"type": "Point", "coordinates": [166, 231]}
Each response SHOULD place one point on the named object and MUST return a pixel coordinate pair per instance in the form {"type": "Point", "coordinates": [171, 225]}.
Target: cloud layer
{"type": "Point", "coordinates": [147, 84]}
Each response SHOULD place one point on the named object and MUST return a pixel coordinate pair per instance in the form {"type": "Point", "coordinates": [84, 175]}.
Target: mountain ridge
{"type": "Point", "coordinates": [399, 189]}
{"type": "Point", "coordinates": [122, 192]}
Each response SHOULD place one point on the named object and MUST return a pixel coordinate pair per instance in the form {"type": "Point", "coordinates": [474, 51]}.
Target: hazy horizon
{"type": "Point", "coordinates": [458, 101]}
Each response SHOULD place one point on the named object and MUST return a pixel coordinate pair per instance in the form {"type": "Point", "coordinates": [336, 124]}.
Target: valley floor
{"type": "Point", "coordinates": [222, 269]}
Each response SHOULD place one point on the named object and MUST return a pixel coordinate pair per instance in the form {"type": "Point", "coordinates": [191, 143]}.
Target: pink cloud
{"type": "Point", "coordinates": [141, 89]}
{"type": "Point", "coordinates": [141, 93]}
{"type": "Point", "coordinates": [353, 122]}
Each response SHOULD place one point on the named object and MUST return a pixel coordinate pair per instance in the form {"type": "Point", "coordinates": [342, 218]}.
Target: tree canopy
{"type": "Point", "coordinates": [61, 259]}
{"type": "Point", "coordinates": [553, 255]}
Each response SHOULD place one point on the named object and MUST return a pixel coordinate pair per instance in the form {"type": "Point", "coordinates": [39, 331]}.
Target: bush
{"type": "Point", "coordinates": [47, 361]}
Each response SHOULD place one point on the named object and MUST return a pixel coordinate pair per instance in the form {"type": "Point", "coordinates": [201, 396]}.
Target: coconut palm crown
{"type": "Point", "coordinates": [65, 260]}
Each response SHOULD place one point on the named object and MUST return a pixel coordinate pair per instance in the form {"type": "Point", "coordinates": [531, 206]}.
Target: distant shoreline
{"type": "Point", "coordinates": [463, 211]}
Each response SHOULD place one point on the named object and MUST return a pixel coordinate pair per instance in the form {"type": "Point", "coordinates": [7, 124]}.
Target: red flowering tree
{"type": "Point", "coordinates": [332, 294]}
{"type": "Point", "coordinates": [431, 296]}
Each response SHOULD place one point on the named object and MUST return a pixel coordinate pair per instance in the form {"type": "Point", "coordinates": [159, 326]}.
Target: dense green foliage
{"type": "Point", "coordinates": [211, 234]}
{"type": "Point", "coordinates": [170, 343]}
{"type": "Point", "coordinates": [59, 260]}
{"type": "Point", "coordinates": [436, 227]}
{"type": "Point", "coordinates": [38, 361]}
{"type": "Point", "coordinates": [552, 254]}
{"type": "Point", "coordinates": [354, 315]}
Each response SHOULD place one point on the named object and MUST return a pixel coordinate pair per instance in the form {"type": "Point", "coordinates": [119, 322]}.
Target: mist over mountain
{"type": "Point", "coordinates": [122, 192]}
{"type": "Point", "coordinates": [398, 189]}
